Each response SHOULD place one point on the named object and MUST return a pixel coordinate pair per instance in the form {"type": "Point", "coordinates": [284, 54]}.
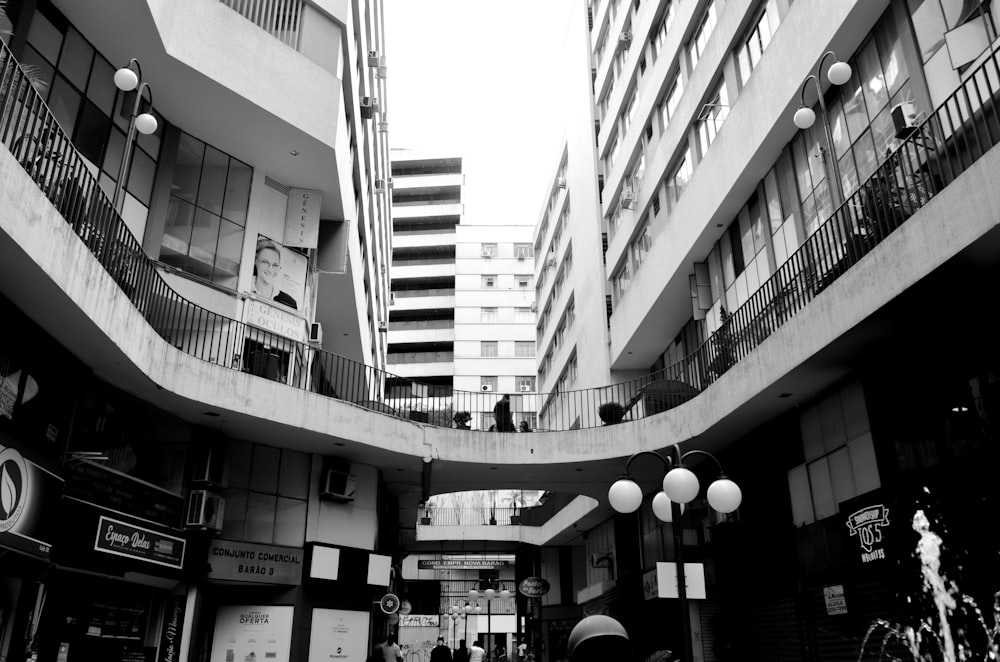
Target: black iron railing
{"type": "Point", "coordinates": [930, 156]}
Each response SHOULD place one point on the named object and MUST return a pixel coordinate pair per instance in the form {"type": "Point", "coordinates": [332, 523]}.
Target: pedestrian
{"type": "Point", "coordinates": [522, 650]}
{"type": "Point", "coordinates": [391, 652]}
{"type": "Point", "coordinates": [477, 653]}
{"type": "Point", "coordinates": [461, 653]}
{"type": "Point", "coordinates": [524, 427]}
{"type": "Point", "coordinates": [441, 653]}
{"type": "Point", "coordinates": [501, 413]}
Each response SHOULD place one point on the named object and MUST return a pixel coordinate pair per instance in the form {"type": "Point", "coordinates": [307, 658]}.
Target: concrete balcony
{"type": "Point", "coordinates": [411, 182]}
{"type": "Point", "coordinates": [420, 211]}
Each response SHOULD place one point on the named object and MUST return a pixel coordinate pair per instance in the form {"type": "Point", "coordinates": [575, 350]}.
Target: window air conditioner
{"type": "Point", "coordinates": [489, 282]}
{"type": "Point", "coordinates": [382, 70]}
{"type": "Point", "coordinates": [380, 186]}
{"type": "Point", "coordinates": [382, 326]}
{"type": "Point", "coordinates": [625, 39]}
{"type": "Point", "coordinates": [316, 333]}
{"type": "Point", "coordinates": [525, 388]}
{"type": "Point", "coordinates": [487, 387]}
{"type": "Point", "coordinates": [561, 182]}
{"type": "Point", "coordinates": [204, 510]}
{"type": "Point", "coordinates": [369, 106]}
{"type": "Point", "coordinates": [372, 58]}
{"type": "Point", "coordinates": [521, 256]}
{"type": "Point", "coordinates": [487, 254]}
{"type": "Point", "coordinates": [211, 466]}
{"type": "Point", "coordinates": [534, 308]}
{"type": "Point", "coordinates": [338, 486]}
{"type": "Point", "coordinates": [904, 119]}
{"type": "Point", "coordinates": [627, 197]}
{"type": "Point", "coordinates": [551, 263]}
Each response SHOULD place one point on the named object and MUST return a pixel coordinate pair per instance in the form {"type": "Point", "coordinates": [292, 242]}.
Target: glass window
{"type": "Point", "coordinates": [524, 315]}
{"type": "Point", "coordinates": [64, 102]}
{"type": "Point", "coordinates": [74, 63]}
{"type": "Point", "coordinates": [488, 250]}
{"type": "Point", "coordinates": [640, 246]}
{"type": "Point", "coordinates": [487, 314]}
{"type": "Point", "coordinates": [489, 280]}
{"type": "Point", "coordinates": [700, 39]}
{"type": "Point", "coordinates": [872, 79]}
{"type": "Point", "coordinates": [524, 348]}
{"type": "Point", "coordinates": [45, 37]}
{"type": "Point", "coordinates": [488, 348]}
{"type": "Point", "coordinates": [101, 88]}
{"type": "Point", "coordinates": [92, 132]}
{"type": "Point", "coordinates": [713, 115]}
{"type": "Point", "coordinates": [524, 251]}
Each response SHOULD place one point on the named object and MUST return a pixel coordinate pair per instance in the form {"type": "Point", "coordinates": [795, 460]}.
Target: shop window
{"type": "Point", "coordinates": [268, 494]}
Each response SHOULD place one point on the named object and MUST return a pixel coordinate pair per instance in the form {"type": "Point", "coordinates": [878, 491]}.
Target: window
{"type": "Point", "coordinates": [488, 384]}
{"type": "Point", "coordinates": [621, 280]}
{"type": "Point", "coordinates": [488, 348]}
{"type": "Point", "coordinates": [524, 316]}
{"type": "Point", "coordinates": [661, 34]}
{"type": "Point", "coordinates": [679, 179]}
{"type": "Point", "coordinates": [207, 212]}
{"type": "Point", "coordinates": [612, 153]}
{"type": "Point", "coordinates": [526, 384]}
{"type": "Point", "coordinates": [487, 314]}
{"type": "Point", "coordinates": [267, 495]}
{"type": "Point", "coordinates": [523, 251]}
{"type": "Point", "coordinates": [523, 282]}
{"type": "Point", "coordinates": [489, 250]}
{"type": "Point", "coordinates": [629, 111]}
{"type": "Point", "coordinates": [524, 349]}
{"type": "Point", "coordinates": [490, 280]}
{"type": "Point", "coordinates": [640, 246]}
{"type": "Point", "coordinates": [713, 114]}
{"type": "Point", "coordinates": [670, 101]}
{"type": "Point", "coordinates": [757, 39]}
{"type": "Point", "coordinates": [696, 47]}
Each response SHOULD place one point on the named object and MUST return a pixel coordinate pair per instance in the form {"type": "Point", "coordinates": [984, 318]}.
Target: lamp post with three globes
{"type": "Point", "coordinates": [489, 594]}
{"type": "Point", "coordinates": [129, 78]}
{"type": "Point", "coordinates": [680, 486]}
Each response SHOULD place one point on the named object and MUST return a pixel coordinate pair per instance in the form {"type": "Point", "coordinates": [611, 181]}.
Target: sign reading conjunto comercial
{"type": "Point", "coordinates": [137, 542]}
{"type": "Point", "coordinates": [461, 564]}
{"type": "Point", "coordinates": [533, 587]}
{"type": "Point", "coordinates": [251, 562]}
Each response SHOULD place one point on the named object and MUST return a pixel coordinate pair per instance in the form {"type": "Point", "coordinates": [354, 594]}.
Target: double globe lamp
{"type": "Point", "coordinates": [680, 486]}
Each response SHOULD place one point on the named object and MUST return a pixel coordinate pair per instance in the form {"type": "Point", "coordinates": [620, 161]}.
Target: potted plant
{"type": "Point", "coordinates": [425, 514]}
{"type": "Point", "coordinates": [463, 420]}
{"type": "Point", "coordinates": [611, 412]}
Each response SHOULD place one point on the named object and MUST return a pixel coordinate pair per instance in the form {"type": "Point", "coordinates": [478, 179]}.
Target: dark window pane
{"type": "Point", "coordinates": [213, 180]}
{"type": "Point", "coordinates": [45, 37]}
{"type": "Point", "coordinates": [101, 88]}
{"type": "Point", "coordinates": [264, 476]}
{"type": "Point", "coordinates": [237, 192]}
{"type": "Point", "coordinates": [234, 516]}
{"type": "Point", "coordinates": [113, 154]}
{"type": "Point", "coordinates": [140, 178]}
{"type": "Point", "coordinates": [872, 80]}
{"type": "Point", "coordinates": [177, 233]}
{"type": "Point", "coordinates": [92, 132]}
{"type": "Point", "coordinates": [890, 51]}
{"type": "Point", "coordinates": [864, 156]}
{"type": "Point", "coordinates": [854, 108]}
{"type": "Point", "coordinates": [848, 174]}
{"type": "Point", "coordinates": [227, 261]}
{"type": "Point", "coordinates": [187, 168]}
{"type": "Point", "coordinates": [884, 134]}
{"type": "Point", "coordinates": [260, 517]}
{"type": "Point", "coordinates": [39, 71]}
{"type": "Point", "coordinates": [150, 143]}
{"type": "Point", "coordinates": [74, 63]}
{"type": "Point", "coordinates": [204, 240]}
{"type": "Point", "coordinates": [804, 181]}
{"type": "Point", "coordinates": [65, 104]}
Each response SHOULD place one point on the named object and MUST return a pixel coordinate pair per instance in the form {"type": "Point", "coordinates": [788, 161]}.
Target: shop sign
{"type": "Point", "coordinates": [650, 585]}
{"type": "Point", "coordinates": [389, 603]}
{"type": "Point", "coordinates": [101, 486]}
{"type": "Point", "coordinates": [267, 317]}
{"type": "Point", "coordinates": [250, 562]}
{"type": "Point", "coordinates": [253, 633]}
{"type": "Point", "coordinates": [867, 525]}
{"type": "Point", "coordinates": [338, 635]}
{"type": "Point", "coordinates": [137, 542]}
{"type": "Point", "coordinates": [8, 395]}
{"type": "Point", "coordinates": [460, 564]}
{"type": "Point", "coordinates": [533, 587]}
{"type": "Point", "coordinates": [420, 621]}
{"type": "Point", "coordinates": [835, 601]}
{"type": "Point", "coordinates": [29, 495]}
{"type": "Point", "coordinates": [302, 218]}
{"type": "Point", "coordinates": [170, 635]}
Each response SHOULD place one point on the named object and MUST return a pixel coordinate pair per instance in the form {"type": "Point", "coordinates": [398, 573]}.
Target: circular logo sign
{"type": "Point", "coordinates": [533, 587]}
{"type": "Point", "coordinates": [389, 603]}
{"type": "Point", "coordinates": [405, 608]}
{"type": "Point", "coordinates": [13, 487]}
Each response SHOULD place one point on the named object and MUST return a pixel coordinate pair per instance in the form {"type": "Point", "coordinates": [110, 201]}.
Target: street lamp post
{"type": "Point", "coordinates": [680, 486]}
{"type": "Point", "coordinates": [489, 594]}
{"type": "Point", "coordinates": [129, 78]}
{"type": "Point", "coordinates": [838, 74]}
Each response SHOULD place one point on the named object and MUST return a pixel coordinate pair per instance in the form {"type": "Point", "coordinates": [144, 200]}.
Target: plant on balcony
{"type": "Point", "coordinates": [463, 420]}
{"type": "Point", "coordinates": [611, 412]}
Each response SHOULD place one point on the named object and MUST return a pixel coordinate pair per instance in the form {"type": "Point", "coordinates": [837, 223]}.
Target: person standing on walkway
{"type": "Point", "coordinates": [391, 652]}
{"type": "Point", "coordinates": [501, 413]}
{"type": "Point", "coordinates": [477, 653]}
{"type": "Point", "coordinates": [441, 653]}
{"type": "Point", "coordinates": [461, 653]}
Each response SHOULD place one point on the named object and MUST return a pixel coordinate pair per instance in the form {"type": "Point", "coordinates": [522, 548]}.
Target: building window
{"type": "Point", "coordinates": [524, 349]}
{"type": "Point", "coordinates": [629, 112]}
{"type": "Point", "coordinates": [489, 250]}
{"type": "Point", "coordinates": [713, 115]}
{"type": "Point", "coordinates": [670, 101]}
{"type": "Point", "coordinates": [523, 282]}
{"type": "Point", "coordinates": [679, 179]}
{"type": "Point", "coordinates": [526, 384]}
{"type": "Point", "coordinates": [612, 153]}
{"type": "Point", "coordinates": [488, 384]}
{"type": "Point", "coordinates": [207, 212]}
{"type": "Point", "coordinates": [640, 246]}
{"type": "Point", "coordinates": [489, 349]}
{"type": "Point", "coordinates": [696, 47]}
{"type": "Point", "coordinates": [757, 40]}
{"type": "Point", "coordinates": [621, 280]}
{"type": "Point", "coordinates": [487, 314]}
{"type": "Point", "coordinates": [267, 495]}
{"type": "Point", "coordinates": [661, 34]}
{"type": "Point", "coordinates": [489, 280]}
{"type": "Point", "coordinates": [524, 251]}
{"type": "Point", "coordinates": [524, 316]}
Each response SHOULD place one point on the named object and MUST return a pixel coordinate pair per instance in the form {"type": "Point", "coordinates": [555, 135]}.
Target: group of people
{"type": "Point", "coordinates": [442, 653]}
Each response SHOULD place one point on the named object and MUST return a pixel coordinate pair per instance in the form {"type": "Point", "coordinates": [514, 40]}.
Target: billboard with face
{"type": "Point", "coordinates": [279, 274]}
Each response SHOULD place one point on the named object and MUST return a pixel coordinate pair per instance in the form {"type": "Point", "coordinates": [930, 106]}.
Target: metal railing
{"type": "Point", "coordinates": [943, 146]}
{"type": "Point", "coordinates": [478, 516]}
{"type": "Point", "coordinates": [282, 19]}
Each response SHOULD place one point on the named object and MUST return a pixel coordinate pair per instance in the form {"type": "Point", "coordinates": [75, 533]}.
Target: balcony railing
{"type": "Point", "coordinates": [936, 152]}
{"type": "Point", "coordinates": [479, 516]}
{"type": "Point", "coordinates": [282, 19]}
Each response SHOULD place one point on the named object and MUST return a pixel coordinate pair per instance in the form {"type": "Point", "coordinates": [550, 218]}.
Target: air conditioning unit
{"type": "Point", "coordinates": [904, 119]}
{"type": "Point", "coordinates": [624, 40]}
{"type": "Point", "coordinates": [372, 58]}
{"type": "Point", "coordinates": [521, 256]}
{"type": "Point", "coordinates": [338, 486]}
{"type": "Point", "coordinates": [211, 466]}
{"type": "Point", "coordinates": [486, 388]}
{"type": "Point", "coordinates": [380, 186]}
{"type": "Point", "coordinates": [561, 182]}
{"type": "Point", "coordinates": [487, 254]}
{"type": "Point", "coordinates": [525, 388]}
{"type": "Point", "coordinates": [551, 264]}
{"type": "Point", "coordinates": [316, 333]}
{"type": "Point", "coordinates": [383, 127]}
{"type": "Point", "coordinates": [388, 183]}
{"type": "Point", "coordinates": [369, 106]}
{"type": "Point", "coordinates": [627, 197]}
{"type": "Point", "coordinates": [205, 510]}
{"type": "Point", "coordinates": [382, 326]}
{"type": "Point", "coordinates": [534, 308]}
{"type": "Point", "coordinates": [489, 282]}
{"type": "Point", "coordinates": [382, 71]}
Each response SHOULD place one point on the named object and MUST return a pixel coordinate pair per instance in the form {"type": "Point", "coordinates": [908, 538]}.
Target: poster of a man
{"type": "Point", "coordinates": [278, 273]}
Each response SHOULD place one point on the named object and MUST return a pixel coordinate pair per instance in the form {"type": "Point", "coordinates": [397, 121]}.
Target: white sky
{"type": "Point", "coordinates": [476, 79]}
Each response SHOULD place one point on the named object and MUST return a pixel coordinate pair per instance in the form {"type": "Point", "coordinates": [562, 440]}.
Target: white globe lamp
{"type": "Point", "coordinates": [724, 495]}
{"type": "Point", "coordinates": [681, 485]}
{"type": "Point", "coordinates": [625, 496]}
{"type": "Point", "coordinates": [126, 79]}
{"type": "Point", "coordinates": [804, 117]}
{"type": "Point", "coordinates": [839, 73]}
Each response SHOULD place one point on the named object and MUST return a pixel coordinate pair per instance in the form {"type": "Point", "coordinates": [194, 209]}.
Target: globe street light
{"type": "Point", "coordinates": [838, 74]}
{"type": "Point", "coordinates": [129, 78]}
{"type": "Point", "coordinates": [680, 486]}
